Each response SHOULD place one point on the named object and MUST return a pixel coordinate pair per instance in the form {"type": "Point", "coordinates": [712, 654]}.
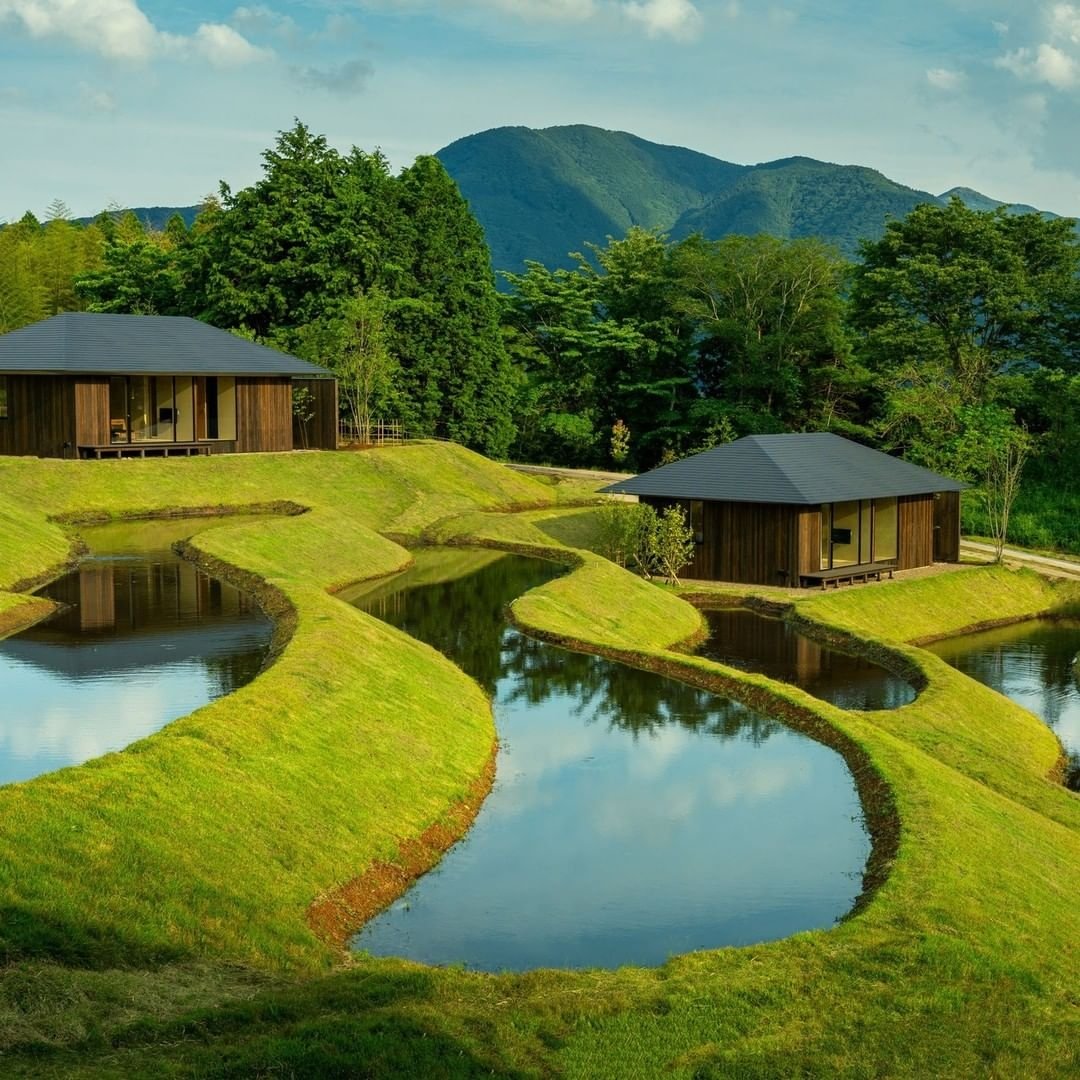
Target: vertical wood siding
{"type": "Point", "coordinates": [916, 531]}
{"type": "Point", "coordinates": [264, 419]}
{"type": "Point", "coordinates": [322, 429]}
{"type": "Point", "coordinates": [41, 416]}
{"type": "Point", "coordinates": [947, 527]}
{"type": "Point", "coordinates": [748, 543]}
{"type": "Point", "coordinates": [92, 410]}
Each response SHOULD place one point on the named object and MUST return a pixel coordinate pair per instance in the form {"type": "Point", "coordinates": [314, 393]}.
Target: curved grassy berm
{"type": "Point", "coordinates": [155, 901]}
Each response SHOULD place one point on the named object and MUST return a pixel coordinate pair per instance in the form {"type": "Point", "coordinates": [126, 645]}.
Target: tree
{"type": "Point", "coordinates": [993, 451]}
{"type": "Point", "coordinates": [456, 376]}
{"type": "Point", "coordinates": [672, 543]}
{"type": "Point", "coordinates": [303, 410]}
{"type": "Point", "coordinates": [773, 344]}
{"type": "Point", "coordinates": [948, 300]}
{"type": "Point", "coordinates": [352, 344]}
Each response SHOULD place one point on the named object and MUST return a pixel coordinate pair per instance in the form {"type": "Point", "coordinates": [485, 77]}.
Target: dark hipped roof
{"type": "Point", "coordinates": [804, 469]}
{"type": "Point", "coordinates": [79, 342]}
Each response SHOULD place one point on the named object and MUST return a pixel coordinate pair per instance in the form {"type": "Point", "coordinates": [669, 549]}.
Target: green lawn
{"type": "Point", "coordinates": [155, 900]}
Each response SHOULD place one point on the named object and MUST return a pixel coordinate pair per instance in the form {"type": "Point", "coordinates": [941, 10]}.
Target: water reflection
{"type": "Point", "coordinates": [633, 817]}
{"type": "Point", "coordinates": [751, 642]}
{"type": "Point", "coordinates": [1034, 664]}
{"type": "Point", "coordinates": [140, 641]}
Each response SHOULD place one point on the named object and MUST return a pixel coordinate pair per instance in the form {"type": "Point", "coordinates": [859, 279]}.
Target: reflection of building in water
{"type": "Point", "coordinates": [142, 597]}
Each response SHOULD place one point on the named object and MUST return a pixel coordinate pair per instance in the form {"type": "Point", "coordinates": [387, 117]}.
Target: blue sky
{"type": "Point", "coordinates": [141, 102]}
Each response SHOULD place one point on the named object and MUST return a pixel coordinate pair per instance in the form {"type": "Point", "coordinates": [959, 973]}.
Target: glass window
{"type": "Point", "coordinates": [826, 534]}
{"type": "Point", "coordinates": [697, 520]}
{"type": "Point", "coordinates": [184, 408]}
{"type": "Point", "coordinates": [118, 409]}
{"type": "Point", "coordinates": [866, 522]}
{"type": "Point", "coordinates": [886, 529]}
{"type": "Point", "coordinates": [3, 397]}
{"type": "Point", "coordinates": [845, 534]}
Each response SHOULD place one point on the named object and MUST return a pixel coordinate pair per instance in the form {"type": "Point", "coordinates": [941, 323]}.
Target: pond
{"type": "Point", "coordinates": [744, 639]}
{"type": "Point", "coordinates": [633, 817]}
{"type": "Point", "coordinates": [144, 638]}
{"type": "Point", "coordinates": [1034, 664]}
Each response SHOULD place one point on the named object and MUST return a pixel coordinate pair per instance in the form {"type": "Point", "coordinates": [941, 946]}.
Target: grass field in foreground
{"type": "Point", "coordinates": [180, 953]}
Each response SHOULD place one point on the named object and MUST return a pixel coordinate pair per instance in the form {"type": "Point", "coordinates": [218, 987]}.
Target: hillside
{"type": "Point", "coordinates": [543, 193]}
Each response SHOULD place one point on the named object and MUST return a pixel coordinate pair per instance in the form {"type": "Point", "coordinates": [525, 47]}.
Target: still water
{"type": "Point", "coordinates": [1034, 664]}
{"type": "Point", "coordinates": [743, 639]}
{"type": "Point", "coordinates": [633, 817]}
{"type": "Point", "coordinates": [144, 638]}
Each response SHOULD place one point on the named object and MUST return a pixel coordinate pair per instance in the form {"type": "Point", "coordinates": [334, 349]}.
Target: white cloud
{"type": "Point", "coordinates": [945, 79]}
{"type": "Point", "coordinates": [224, 47]}
{"type": "Point", "coordinates": [119, 30]}
{"type": "Point", "coordinates": [97, 99]}
{"type": "Point", "coordinates": [679, 19]}
{"type": "Point", "coordinates": [1047, 64]}
{"type": "Point", "coordinates": [1064, 20]}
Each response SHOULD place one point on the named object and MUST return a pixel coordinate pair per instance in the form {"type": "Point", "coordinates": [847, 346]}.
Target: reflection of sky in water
{"type": "Point", "coordinates": [632, 818]}
{"type": "Point", "coordinates": [139, 642]}
{"type": "Point", "coordinates": [49, 722]}
{"type": "Point", "coordinates": [1031, 663]}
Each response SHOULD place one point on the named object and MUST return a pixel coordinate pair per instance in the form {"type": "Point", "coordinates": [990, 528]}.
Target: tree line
{"type": "Point", "coordinates": [954, 340]}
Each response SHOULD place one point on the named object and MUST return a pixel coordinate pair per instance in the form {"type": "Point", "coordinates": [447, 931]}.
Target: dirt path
{"type": "Point", "coordinates": [578, 474]}
{"type": "Point", "coordinates": [1046, 563]}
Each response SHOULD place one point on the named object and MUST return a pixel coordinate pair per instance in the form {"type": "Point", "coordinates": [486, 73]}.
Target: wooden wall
{"type": "Point", "coordinates": [92, 411]}
{"type": "Point", "coordinates": [264, 420]}
{"type": "Point", "coordinates": [916, 531]}
{"type": "Point", "coordinates": [748, 543]}
{"type": "Point", "coordinates": [41, 416]}
{"type": "Point", "coordinates": [947, 526]}
{"type": "Point", "coordinates": [322, 429]}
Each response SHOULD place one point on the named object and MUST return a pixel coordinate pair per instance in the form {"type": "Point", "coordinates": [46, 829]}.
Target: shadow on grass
{"type": "Point", "coordinates": [371, 1024]}
{"type": "Point", "coordinates": [27, 934]}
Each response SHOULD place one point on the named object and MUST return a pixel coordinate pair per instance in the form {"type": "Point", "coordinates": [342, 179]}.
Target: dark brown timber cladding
{"type": "Point", "coordinates": [41, 416]}
{"type": "Point", "coordinates": [92, 411]}
{"type": "Point", "coordinates": [749, 543]}
{"type": "Point", "coordinates": [947, 526]}
{"type": "Point", "coordinates": [322, 428]}
{"type": "Point", "coordinates": [264, 414]}
{"type": "Point", "coordinates": [916, 531]}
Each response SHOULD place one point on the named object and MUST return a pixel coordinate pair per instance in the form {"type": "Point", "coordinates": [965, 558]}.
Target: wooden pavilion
{"type": "Point", "coordinates": [805, 509]}
{"type": "Point", "coordinates": [97, 385]}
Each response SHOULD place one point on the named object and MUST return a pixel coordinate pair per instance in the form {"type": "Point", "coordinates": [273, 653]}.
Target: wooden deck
{"type": "Point", "coordinates": [842, 575]}
{"type": "Point", "coordinates": [146, 449]}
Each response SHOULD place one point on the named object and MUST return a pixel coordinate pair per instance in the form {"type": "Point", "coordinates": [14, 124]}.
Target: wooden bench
{"type": "Point", "coordinates": [146, 449]}
{"type": "Point", "coordinates": [848, 575]}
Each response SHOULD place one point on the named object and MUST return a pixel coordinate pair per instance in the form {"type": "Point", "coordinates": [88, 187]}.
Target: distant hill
{"type": "Point", "coordinates": [154, 216]}
{"type": "Point", "coordinates": [542, 193]}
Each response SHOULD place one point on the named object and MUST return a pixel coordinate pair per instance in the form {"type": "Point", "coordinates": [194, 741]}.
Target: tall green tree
{"type": "Point", "coordinates": [457, 378]}
{"type": "Point", "coordinates": [950, 299]}
{"type": "Point", "coordinates": [774, 352]}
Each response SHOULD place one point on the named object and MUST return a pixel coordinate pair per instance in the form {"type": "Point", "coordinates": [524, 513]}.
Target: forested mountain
{"type": "Point", "coordinates": [542, 193]}
{"type": "Point", "coordinates": [155, 217]}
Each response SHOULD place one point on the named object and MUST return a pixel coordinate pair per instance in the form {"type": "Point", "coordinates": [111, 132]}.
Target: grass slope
{"type": "Point", "coordinates": [961, 965]}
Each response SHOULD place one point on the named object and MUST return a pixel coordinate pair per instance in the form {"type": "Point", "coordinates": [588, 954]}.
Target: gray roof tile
{"type": "Point", "coordinates": [86, 342]}
{"type": "Point", "coordinates": [801, 469]}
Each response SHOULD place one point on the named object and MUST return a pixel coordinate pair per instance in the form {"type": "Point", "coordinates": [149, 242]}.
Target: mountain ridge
{"type": "Point", "coordinates": [541, 193]}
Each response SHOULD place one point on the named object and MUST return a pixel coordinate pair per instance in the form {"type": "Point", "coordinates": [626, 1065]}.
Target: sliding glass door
{"type": "Point", "coordinates": [171, 408]}
{"type": "Point", "coordinates": [854, 533]}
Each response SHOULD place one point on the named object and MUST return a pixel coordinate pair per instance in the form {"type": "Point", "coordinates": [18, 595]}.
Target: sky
{"type": "Point", "coordinates": [150, 102]}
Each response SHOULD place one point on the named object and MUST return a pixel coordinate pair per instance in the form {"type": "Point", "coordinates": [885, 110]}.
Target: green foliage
{"type": "Point", "coordinates": [626, 533]}
{"type": "Point", "coordinates": [672, 543]}
{"type": "Point", "coordinates": [620, 441]}
{"type": "Point", "coordinates": [634, 535]}
{"type": "Point", "coordinates": [951, 298]}
{"type": "Point", "coordinates": [541, 194]}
